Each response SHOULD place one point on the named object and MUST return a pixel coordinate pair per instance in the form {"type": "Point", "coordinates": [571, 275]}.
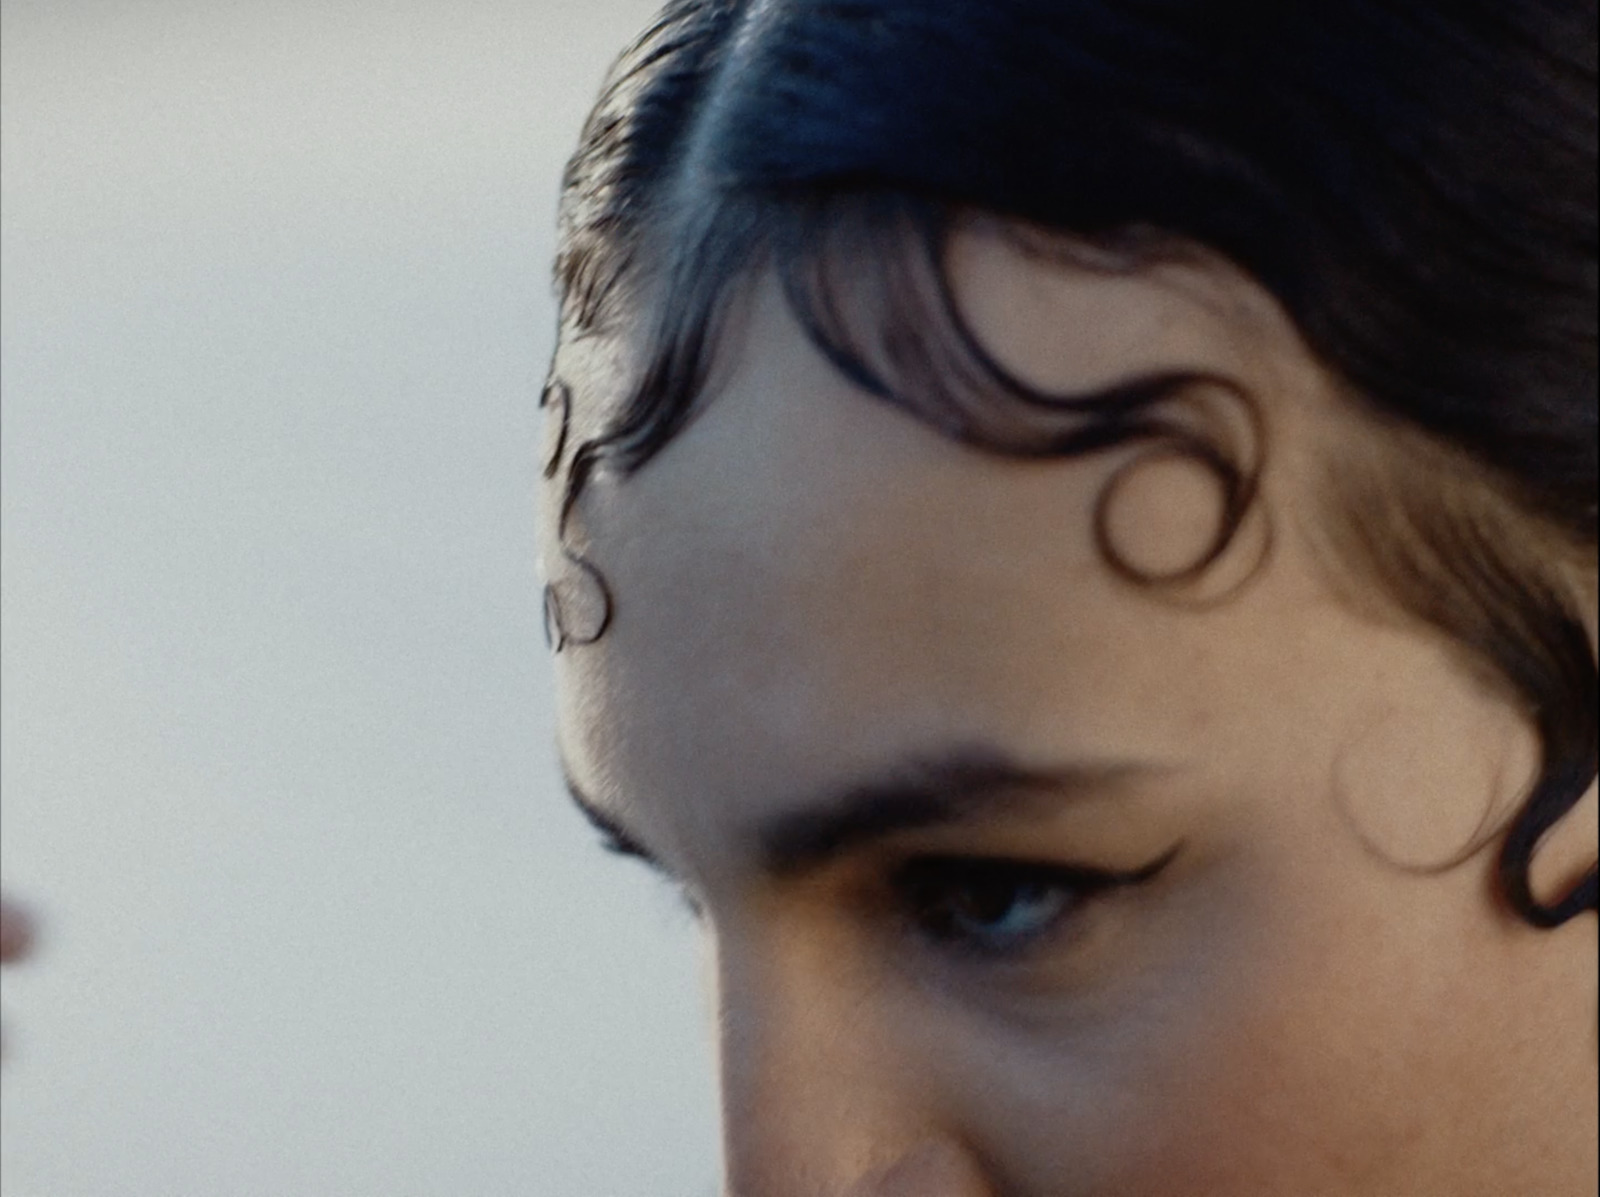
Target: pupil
{"type": "Point", "coordinates": [991, 901]}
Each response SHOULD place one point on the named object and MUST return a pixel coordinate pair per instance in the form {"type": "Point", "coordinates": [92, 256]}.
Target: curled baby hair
{"type": "Point", "coordinates": [1414, 184]}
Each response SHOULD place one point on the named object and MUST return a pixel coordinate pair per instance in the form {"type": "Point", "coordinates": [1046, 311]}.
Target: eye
{"type": "Point", "coordinates": [1002, 908]}
{"type": "Point", "coordinates": [994, 907]}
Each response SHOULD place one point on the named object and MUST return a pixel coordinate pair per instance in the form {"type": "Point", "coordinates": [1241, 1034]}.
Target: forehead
{"type": "Point", "coordinates": [809, 583]}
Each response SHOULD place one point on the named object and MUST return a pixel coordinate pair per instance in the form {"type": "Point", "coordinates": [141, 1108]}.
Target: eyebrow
{"type": "Point", "coordinates": [962, 786]}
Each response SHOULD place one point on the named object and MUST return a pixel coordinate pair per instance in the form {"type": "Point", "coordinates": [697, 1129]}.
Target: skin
{"type": "Point", "coordinates": [818, 599]}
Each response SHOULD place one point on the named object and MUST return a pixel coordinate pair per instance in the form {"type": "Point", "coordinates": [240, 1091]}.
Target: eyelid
{"type": "Point", "coordinates": [1064, 872]}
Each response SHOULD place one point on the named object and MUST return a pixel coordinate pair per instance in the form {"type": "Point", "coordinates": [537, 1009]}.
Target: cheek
{"type": "Point", "coordinates": [1310, 1056]}
{"type": "Point", "coordinates": [1352, 1068]}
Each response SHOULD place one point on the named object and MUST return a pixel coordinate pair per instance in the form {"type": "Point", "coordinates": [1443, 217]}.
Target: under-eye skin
{"type": "Point", "coordinates": [1003, 910]}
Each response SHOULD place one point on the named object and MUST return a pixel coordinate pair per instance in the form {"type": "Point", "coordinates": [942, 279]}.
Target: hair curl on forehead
{"type": "Point", "coordinates": [1414, 185]}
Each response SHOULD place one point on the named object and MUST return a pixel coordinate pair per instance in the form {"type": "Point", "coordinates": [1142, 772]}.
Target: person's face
{"type": "Point", "coordinates": [1025, 881]}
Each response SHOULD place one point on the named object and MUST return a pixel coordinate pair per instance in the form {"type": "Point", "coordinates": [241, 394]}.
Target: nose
{"type": "Point", "coordinates": [827, 1085]}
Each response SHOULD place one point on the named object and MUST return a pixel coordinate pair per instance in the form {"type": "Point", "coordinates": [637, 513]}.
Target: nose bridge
{"type": "Point", "coordinates": [822, 1092]}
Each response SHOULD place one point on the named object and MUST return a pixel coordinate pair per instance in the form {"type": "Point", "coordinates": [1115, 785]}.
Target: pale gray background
{"type": "Point", "coordinates": [275, 713]}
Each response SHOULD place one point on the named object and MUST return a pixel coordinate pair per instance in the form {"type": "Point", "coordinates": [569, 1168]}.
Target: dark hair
{"type": "Point", "coordinates": [1413, 181]}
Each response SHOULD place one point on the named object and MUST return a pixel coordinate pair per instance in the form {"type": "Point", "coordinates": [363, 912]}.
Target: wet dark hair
{"type": "Point", "coordinates": [1413, 181]}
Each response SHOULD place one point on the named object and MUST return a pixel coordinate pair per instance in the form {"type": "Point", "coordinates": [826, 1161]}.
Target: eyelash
{"type": "Point", "coordinates": [947, 900]}
{"type": "Point", "coordinates": [614, 843]}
